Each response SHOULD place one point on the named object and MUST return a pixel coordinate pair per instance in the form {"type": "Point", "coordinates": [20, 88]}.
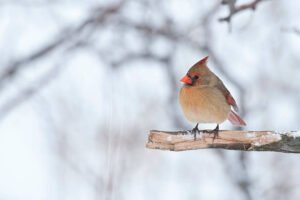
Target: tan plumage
{"type": "Point", "coordinates": [205, 99]}
{"type": "Point", "coordinates": [204, 105]}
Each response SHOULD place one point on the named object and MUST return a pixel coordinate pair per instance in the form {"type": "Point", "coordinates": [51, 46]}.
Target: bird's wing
{"type": "Point", "coordinates": [230, 100]}
{"type": "Point", "coordinates": [235, 119]}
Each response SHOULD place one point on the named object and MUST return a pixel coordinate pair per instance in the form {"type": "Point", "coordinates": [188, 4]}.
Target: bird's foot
{"type": "Point", "coordinates": [195, 131]}
{"type": "Point", "coordinates": [214, 131]}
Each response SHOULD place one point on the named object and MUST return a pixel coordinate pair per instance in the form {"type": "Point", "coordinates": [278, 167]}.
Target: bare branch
{"type": "Point", "coordinates": [233, 9]}
{"type": "Point", "coordinates": [98, 16]}
{"type": "Point", "coordinates": [288, 142]}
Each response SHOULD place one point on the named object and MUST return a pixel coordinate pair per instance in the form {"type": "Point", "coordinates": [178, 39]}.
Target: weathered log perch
{"type": "Point", "coordinates": [287, 142]}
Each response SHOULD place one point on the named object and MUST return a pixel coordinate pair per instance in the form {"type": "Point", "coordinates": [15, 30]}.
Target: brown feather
{"type": "Point", "coordinates": [204, 105]}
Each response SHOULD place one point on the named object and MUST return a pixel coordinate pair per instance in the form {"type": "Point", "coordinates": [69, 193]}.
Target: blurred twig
{"type": "Point", "coordinates": [98, 16]}
{"type": "Point", "coordinates": [170, 76]}
{"type": "Point", "coordinates": [233, 9]}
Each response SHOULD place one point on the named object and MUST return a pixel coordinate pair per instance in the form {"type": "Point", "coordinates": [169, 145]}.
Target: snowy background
{"type": "Point", "coordinates": [83, 82]}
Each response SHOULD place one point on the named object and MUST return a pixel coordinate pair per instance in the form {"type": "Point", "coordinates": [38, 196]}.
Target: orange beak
{"type": "Point", "coordinates": [186, 80]}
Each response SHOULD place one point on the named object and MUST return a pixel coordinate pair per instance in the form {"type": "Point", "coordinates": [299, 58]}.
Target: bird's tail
{"type": "Point", "coordinates": [235, 119]}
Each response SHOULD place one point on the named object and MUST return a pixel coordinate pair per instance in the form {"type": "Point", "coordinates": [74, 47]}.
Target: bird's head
{"type": "Point", "coordinates": [195, 75]}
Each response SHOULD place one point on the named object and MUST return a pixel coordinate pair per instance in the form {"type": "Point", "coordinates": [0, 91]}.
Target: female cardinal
{"type": "Point", "coordinates": [205, 99]}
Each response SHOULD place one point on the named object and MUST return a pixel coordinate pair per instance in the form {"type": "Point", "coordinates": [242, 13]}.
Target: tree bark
{"type": "Point", "coordinates": [286, 142]}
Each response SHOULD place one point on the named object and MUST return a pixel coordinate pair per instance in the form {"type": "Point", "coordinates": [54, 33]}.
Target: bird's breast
{"type": "Point", "coordinates": [204, 105]}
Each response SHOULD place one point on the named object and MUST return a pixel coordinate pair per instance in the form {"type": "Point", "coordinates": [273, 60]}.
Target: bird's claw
{"type": "Point", "coordinates": [195, 131]}
{"type": "Point", "coordinates": [214, 131]}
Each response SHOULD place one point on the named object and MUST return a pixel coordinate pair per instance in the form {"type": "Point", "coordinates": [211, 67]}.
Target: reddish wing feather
{"type": "Point", "coordinates": [230, 100]}
{"type": "Point", "coordinates": [235, 119]}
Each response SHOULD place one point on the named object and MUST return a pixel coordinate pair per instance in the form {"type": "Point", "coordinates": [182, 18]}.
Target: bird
{"type": "Point", "coordinates": [205, 99]}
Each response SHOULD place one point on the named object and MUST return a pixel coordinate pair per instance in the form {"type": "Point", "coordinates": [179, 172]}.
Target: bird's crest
{"type": "Point", "coordinates": [203, 60]}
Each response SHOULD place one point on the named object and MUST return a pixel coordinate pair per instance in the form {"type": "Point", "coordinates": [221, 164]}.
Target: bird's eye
{"type": "Point", "coordinates": [196, 77]}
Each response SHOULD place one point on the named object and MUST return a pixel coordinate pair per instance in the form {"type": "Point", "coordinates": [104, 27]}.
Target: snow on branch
{"type": "Point", "coordinates": [287, 142]}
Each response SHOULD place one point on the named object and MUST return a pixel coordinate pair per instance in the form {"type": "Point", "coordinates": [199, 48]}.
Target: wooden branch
{"type": "Point", "coordinates": [288, 142]}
